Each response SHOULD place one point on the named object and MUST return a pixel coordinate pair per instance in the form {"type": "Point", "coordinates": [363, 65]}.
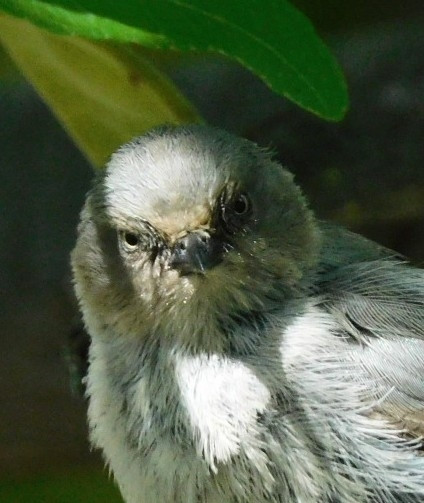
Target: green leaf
{"type": "Point", "coordinates": [270, 37]}
{"type": "Point", "coordinates": [66, 22]}
{"type": "Point", "coordinates": [103, 95]}
{"type": "Point", "coordinates": [8, 71]}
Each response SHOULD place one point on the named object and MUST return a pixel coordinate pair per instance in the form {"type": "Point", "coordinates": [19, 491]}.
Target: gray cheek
{"type": "Point", "coordinates": [149, 274]}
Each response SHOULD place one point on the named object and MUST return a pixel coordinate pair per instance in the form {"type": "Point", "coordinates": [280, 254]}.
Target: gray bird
{"type": "Point", "coordinates": [241, 351]}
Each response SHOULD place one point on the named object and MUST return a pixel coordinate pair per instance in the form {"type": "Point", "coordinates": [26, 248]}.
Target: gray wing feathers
{"type": "Point", "coordinates": [396, 371]}
{"type": "Point", "coordinates": [379, 302]}
{"type": "Point", "coordinates": [381, 297]}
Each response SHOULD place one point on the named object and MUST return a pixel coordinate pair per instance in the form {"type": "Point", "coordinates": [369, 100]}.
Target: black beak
{"type": "Point", "coordinates": [196, 252]}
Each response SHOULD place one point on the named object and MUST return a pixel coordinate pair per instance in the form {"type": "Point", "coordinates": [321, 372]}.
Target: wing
{"type": "Point", "coordinates": [378, 300]}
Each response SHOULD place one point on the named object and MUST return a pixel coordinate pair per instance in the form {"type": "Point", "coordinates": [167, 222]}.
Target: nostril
{"type": "Point", "coordinates": [195, 252]}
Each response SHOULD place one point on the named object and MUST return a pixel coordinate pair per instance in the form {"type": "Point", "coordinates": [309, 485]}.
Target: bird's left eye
{"type": "Point", "coordinates": [235, 212]}
{"type": "Point", "coordinates": [241, 205]}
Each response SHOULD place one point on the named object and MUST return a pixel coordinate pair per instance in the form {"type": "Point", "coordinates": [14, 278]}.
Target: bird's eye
{"type": "Point", "coordinates": [241, 205]}
{"type": "Point", "coordinates": [131, 239]}
{"type": "Point", "coordinates": [235, 212]}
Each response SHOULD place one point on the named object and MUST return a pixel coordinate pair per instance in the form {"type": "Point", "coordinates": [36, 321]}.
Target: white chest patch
{"type": "Point", "coordinates": [222, 399]}
{"type": "Point", "coordinates": [219, 402]}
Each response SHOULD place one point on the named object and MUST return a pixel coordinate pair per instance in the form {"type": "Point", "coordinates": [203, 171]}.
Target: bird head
{"type": "Point", "coordinates": [186, 225]}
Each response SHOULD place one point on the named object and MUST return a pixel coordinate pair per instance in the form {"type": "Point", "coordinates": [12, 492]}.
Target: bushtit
{"type": "Point", "coordinates": [242, 351]}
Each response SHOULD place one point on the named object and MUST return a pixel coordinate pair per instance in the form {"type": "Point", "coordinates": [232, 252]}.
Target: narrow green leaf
{"type": "Point", "coordinates": [8, 70]}
{"type": "Point", "coordinates": [103, 95]}
{"type": "Point", "coordinates": [66, 22]}
{"type": "Point", "coordinates": [270, 37]}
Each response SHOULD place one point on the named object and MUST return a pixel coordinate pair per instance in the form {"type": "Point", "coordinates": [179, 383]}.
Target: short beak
{"type": "Point", "coordinates": [196, 252]}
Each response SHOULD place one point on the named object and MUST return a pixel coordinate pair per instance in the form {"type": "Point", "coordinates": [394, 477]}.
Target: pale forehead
{"type": "Point", "coordinates": [168, 181]}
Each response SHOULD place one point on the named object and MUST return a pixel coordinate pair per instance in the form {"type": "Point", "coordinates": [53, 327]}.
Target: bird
{"type": "Point", "coordinates": [241, 349]}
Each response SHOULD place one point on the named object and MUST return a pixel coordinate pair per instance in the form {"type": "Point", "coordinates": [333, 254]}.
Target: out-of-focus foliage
{"type": "Point", "coordinates": [8, 70]}
{"type": "Point", "coordinates": [70, 488]}
{"type": "Point", "coordinates": [104, 95]}
{"type": "Point", "coordinates": [270, 37]}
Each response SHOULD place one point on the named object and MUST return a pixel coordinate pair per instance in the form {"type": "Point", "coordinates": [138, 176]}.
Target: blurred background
{"type": "Point", "coordinates": [366, 173]}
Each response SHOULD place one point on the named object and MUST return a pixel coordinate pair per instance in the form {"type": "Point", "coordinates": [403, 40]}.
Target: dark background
{"type": "Point", "coordinates": [366, 173]}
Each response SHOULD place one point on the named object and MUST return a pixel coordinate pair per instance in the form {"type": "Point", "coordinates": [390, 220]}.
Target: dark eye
{"type": "Point", "coordinates": [235, 212]}
{"type": "Point", "coordinates": [131, 239]}
{"type": "Point", "coordinates": [241, 205]}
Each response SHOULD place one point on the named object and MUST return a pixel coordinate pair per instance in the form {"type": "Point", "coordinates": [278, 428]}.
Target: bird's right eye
{"type": "Point", "coordinates": [130, 240]}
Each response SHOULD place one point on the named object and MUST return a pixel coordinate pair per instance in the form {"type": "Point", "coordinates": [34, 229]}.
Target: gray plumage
{"type": "Point", "coordinates": [241, 350]}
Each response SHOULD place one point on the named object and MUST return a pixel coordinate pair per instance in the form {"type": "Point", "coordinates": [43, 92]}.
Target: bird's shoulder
{"type": "Point", "coordinates": [372, 290]}
{"type": "Point", "coordinates": [376, 299]}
